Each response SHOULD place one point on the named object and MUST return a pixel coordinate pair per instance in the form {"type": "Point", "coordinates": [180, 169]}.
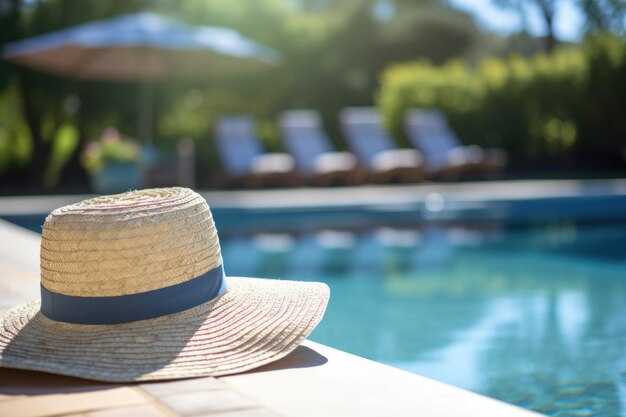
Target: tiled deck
{"type": "Point", "coordinates": [314, 380]}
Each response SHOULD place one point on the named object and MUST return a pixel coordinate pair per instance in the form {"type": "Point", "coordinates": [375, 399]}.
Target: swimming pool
{"type": "Point", "coordinates": [534, 315]}
{"type": "Point", "coordinates": [529, 312]}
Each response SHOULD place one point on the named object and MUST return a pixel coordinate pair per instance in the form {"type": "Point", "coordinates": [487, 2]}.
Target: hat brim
{"type": "Point", "coordinates": [257, 321]}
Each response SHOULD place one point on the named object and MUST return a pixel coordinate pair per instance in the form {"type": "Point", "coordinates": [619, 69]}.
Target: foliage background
{"type": "Point", "coordinates": [564, 109]}
{"type": "Point", "coordinates": [334, 54]}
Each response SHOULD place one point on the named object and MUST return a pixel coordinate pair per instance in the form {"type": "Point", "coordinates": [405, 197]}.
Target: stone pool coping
{"type": "Point", "coordinates": [465, 195]}
{"type": "Point", "coordinates": [314, 380]}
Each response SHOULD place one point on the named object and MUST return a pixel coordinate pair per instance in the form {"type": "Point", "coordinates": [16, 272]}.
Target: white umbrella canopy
{"type": "Point", "coordinates": [141, 47]}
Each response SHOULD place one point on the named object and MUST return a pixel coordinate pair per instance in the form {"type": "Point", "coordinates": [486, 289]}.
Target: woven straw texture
{"type": "Point", "coordinates": [140, 241]}
{"type": "Point", "coordinates": [108, 245]}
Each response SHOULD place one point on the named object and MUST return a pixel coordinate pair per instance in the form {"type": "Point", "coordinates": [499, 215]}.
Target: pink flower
{"type": "Point", "coordinates": [110, 134]}
{"type": "Point", "coordinates": [92, 148]}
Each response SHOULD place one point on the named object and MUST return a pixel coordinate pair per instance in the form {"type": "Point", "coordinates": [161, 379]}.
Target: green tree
{"type": "Point", "coordinates": [546, 9]}
{"type": "Point", "coordinates": [42, 95]}
{"type": "Point", "coordinates": [604, 15]}
{"type": "Point", "coordinates": [333, 53]}
{"type": "Point", "coordinates": [599, 15]}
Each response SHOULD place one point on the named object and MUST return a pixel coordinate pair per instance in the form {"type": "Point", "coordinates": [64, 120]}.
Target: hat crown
{"type": "Point", "coordinates": [128, 243]}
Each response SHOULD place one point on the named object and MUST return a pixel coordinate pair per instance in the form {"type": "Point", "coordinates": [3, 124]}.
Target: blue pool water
{"type": "Point", "coordinates": [534, 315]}
{"type": "Point", "coordinates": [529, 313]}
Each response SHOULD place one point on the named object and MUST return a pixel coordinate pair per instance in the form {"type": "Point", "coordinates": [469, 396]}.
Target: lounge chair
{"type": "Point", "coordinates": [429, 131]}
{"type": "Point", "coordinates": [243, 157]}
{"type": "Point", "coordinates": [376, 150]}
{"type": "Point", "coordinates": [305, 138]}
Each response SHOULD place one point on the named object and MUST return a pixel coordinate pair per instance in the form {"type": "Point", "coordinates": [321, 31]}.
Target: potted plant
{"type": "Point", "coordinates": [114, 163]}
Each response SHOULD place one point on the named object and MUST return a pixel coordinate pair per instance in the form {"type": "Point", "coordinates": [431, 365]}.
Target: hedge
{"type": "Point", "coordinates": [569, 104]}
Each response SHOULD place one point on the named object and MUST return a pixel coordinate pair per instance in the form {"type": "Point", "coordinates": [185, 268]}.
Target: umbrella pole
{"type": "Point", "coordinates": [145, 113]}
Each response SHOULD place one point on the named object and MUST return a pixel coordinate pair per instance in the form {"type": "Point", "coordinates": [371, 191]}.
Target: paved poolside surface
{"type": "Point", "coordinates": [367, 195]}
{"type": "Point", "coordinates": [315, 380]}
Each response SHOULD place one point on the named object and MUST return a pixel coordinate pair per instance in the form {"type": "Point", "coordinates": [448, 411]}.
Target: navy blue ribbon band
{"type": "Point", "coordinates": [133, 307]}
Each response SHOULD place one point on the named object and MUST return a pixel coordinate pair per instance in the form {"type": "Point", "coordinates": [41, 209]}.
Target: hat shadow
{"type": "Point", "coordinates": [301, 357]}
{"type": "Point", "coordinates": [18, 382]}
{"type": "Point", "coordinates": [45, 380]}
{"type": "Point", "coordinates": [136, 350]}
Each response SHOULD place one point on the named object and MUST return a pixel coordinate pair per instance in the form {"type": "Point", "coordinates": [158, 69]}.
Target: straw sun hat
{"type": "Point", "coordinates": [133, 288]}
